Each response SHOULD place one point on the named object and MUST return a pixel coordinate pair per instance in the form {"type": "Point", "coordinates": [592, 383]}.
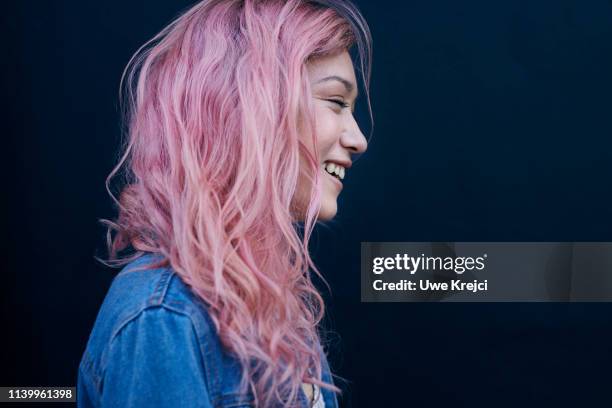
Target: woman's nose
{"type": "Point", "coordinates": [353, 139]}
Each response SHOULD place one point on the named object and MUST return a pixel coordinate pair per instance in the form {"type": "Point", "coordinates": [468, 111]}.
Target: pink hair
{"type": "Point", "coordinates": [211, 166]}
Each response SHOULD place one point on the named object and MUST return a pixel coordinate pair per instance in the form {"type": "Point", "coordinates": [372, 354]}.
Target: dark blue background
{"type": "Point", "coordinates": [492, 122]}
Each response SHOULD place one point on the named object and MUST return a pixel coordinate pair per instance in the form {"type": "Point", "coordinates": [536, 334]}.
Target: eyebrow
{"type": "Point", "coordinates": [347, 84]}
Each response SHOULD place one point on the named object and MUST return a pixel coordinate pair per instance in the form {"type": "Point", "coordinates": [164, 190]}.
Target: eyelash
{"type": "Point", "coordinates": [339, 102]}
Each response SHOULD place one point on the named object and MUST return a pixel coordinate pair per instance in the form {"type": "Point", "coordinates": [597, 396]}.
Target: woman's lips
{"type": "Point", "coordinates": [334, 180]}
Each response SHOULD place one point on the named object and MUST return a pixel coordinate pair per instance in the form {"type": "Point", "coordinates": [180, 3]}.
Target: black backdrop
{"type": "Point", "coordinates": [492, 122]}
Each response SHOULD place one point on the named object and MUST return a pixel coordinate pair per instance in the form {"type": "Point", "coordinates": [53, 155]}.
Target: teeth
{"type": "Point", "coordinates": [335, 169]}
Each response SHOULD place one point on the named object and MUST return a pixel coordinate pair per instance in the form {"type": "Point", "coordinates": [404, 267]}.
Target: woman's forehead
{"type": "Point", "coordinates": [337, 65]}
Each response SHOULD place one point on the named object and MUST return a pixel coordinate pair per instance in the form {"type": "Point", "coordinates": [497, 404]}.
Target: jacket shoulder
{"type": "Point", "coordinates": [140, 286]}
{"type": "Point", "coordinates": [138, 289]}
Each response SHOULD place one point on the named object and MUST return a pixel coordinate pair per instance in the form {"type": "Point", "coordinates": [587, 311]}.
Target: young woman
{"type": "Point", "coordinates": [240, 132]}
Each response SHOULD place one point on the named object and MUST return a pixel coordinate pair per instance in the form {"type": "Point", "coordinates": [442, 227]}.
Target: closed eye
{"type": "Point", "coordinates": [340, 103]}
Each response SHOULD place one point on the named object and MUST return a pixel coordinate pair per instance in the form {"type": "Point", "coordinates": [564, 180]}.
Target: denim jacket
{"type": "Point", "coordinates": [154, 345]}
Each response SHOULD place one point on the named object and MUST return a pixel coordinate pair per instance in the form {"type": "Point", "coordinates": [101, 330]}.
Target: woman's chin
{"type": "Point", "coordinates": [328, 210]}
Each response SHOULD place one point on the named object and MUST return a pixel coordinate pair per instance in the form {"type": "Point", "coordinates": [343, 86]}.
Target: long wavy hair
{"type": "Point", "coordinates": [217, 107]}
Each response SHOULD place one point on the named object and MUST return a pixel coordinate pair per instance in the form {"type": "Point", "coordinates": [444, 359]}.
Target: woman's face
{"type": "Point", "coordinates": [334, 89]}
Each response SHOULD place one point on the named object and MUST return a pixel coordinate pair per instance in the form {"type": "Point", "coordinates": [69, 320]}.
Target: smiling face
{"type": "Point", "coordinates": [334, 89]}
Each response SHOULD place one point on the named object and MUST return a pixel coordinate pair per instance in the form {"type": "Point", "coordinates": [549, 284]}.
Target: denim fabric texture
{"type": "Point", "coordinates": [154, 345]}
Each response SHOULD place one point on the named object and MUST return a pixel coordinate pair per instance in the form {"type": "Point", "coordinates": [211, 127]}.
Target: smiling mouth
{"type": "Point", "coordinates": [334, 170]}
{"type": "Point", "coordinates": [335, 179]}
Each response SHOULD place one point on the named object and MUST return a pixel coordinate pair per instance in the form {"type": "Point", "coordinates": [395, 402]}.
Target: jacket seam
{"type": "Point", "coordinates": [161, 289]}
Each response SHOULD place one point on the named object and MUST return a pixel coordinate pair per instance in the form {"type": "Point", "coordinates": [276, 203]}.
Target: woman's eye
{"type": "Point", "coordinates": [339, 102]}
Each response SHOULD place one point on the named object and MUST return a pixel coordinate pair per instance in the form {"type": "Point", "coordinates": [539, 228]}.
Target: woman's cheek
{"type": "Point", "coordinates": [327, 128]}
